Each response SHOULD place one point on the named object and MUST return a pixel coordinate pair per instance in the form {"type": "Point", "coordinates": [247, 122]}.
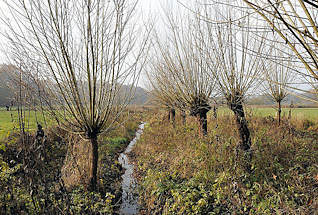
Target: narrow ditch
{"type": "Point", "coordinates": [129, 203]}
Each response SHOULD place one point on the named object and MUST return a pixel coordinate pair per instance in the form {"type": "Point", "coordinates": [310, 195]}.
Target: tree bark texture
{"type": "Point", "coordinates": [242, 126]}
{"type": "Point", "coordinates": [93, 175]}
{"type": "Point", "coordinates": [183, 116]}
{"type": "Point", "coordinates": [215, 114]}
{"type": "Point", "coordinates": [203, 122]}
{"type": "Point", "coordinates": [173, 115]}
{"type": "Point", "coordinates": [279, 112]}
{"type": "Point", "coordinates": [244, 133]}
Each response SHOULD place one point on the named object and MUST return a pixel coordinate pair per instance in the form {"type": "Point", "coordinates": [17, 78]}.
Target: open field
{"type": "Point", "coordinates": [9, 121]}
{"type": "Point", "coordinates": [297, 113]}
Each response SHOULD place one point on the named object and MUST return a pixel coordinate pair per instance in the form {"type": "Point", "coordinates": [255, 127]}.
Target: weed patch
{"type": "Point", "coordinates": [181, 173]}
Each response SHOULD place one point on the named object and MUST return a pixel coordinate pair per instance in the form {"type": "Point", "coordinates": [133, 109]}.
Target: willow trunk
{"type": "Point", "coordinates": [203, 122]}
{"type": "Point", "coordinates": [279, 112]}
{"type": "Point", "coordinates": [173, 116]}
{"type": "Point", "coordinates": [183, 116]}
{"type": "Point", "coordinates": [93, 173]}
{"type": "Point", "coordinates": [244, 133]}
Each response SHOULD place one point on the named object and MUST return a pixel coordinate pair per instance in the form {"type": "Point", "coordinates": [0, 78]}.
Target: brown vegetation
{"type": "Point", "coordinates": [180, 173]}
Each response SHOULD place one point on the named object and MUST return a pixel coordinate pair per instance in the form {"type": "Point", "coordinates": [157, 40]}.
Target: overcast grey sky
{"type": "Point", "coordinates": [146, 9]}
{"type": "Point", "coordinates": [154, 10]}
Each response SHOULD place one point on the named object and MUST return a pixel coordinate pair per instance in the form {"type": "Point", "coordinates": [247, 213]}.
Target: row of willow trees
{"type": "Point", "coordinates": [76, 56]}
{"type": "Point", "coordinates": [221, 50]}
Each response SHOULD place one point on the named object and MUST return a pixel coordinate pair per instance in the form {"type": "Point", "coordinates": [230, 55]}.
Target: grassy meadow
{"type": "Point", "coordinates": [9, 121]}
{"type": "Point", "coordinates": [297, 113]}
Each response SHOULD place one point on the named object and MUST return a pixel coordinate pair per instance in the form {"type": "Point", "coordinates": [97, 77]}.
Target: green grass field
{"type": "Point", "coordinates": [9, 121]}
{"type": "Point", "coordinates": [297, 113]}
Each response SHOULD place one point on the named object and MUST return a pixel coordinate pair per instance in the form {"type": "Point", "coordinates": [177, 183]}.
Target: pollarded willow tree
{"type": "Point", "coordinates": [161, 90]}
{"type": "Point", "coordinates": [296, 24]}
{"type": "Point", "coordinates": [238, 66]}
{"type": "Point", "coordinates": [277, 77]}
{"type": "Point", "coordinates": [183, 69]}
{"type": "Point", "coordinates": [86, 50]}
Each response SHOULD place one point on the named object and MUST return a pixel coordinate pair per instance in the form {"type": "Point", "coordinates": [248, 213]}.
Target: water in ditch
{"type": "Point", "coordinates": [129, 203]}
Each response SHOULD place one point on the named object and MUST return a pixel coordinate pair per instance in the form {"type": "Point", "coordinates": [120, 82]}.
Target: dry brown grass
{"type": "Point", "coordinates": [78, 162]}
{"type": "Point", "coordinates": [285, 166]}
